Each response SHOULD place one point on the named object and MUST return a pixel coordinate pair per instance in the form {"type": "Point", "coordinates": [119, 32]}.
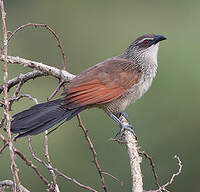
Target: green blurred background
{"type": "Point", "coordinates": [166, 119]}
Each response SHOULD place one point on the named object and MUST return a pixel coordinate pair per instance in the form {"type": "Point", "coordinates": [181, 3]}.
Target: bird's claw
{"type": "Point", "coordinates": [123, 128]}
{"type": "Point", "coordinates": [125, 115]}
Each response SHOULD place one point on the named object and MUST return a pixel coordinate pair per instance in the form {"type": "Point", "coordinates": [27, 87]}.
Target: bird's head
{"type": "Point", "coordinates": [147, 44]}
{"type": "Point", "coordinates": [148, 40]}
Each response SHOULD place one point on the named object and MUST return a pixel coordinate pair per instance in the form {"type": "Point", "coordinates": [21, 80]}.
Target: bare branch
{"type": "Point", "coordinates": [46, 149]}
{"type": "Point", "coordinates": [16, 184]}
{"type": "Point", "coordinates": [94, 153]}
{"type": "Point", "coordinates": [53, 71]}
{"type": "Point", "coordinates": [9, 183]}
{"type": "Point", "coordinates": [135, 159]}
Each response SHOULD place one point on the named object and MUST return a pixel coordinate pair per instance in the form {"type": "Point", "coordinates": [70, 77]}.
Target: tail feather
{"type": "Point", "coordinates": [41, 117]}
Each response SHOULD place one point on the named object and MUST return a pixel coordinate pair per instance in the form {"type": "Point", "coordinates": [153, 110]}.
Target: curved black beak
{"type": "Point", "coordinates": [158, 38]}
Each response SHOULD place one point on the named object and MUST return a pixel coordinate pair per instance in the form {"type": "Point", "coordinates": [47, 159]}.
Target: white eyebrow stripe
{"type": "Point", "coordinates": [148, 38]}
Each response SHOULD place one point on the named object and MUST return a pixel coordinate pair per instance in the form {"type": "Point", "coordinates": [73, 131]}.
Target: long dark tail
{"type": "Point", "coordinates": [41, 117]}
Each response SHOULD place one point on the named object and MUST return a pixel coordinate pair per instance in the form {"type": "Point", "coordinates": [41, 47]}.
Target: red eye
{"type": "Point", "coordinates": [146, 42]}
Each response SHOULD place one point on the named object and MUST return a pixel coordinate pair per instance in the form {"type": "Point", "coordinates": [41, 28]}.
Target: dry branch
{"type": "Point", "coordinates": [16, 184]}
{"type": "Point", "coordinates": [135, 159]}
{"type": "Point", "coordinates": [53, 71]}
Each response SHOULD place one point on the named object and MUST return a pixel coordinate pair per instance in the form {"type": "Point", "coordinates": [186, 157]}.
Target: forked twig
{"type": "Point", "coordinates": [163, 187]}
{"type": "Point", "coordinates": [50, 30]}
{"type": "Point", "coordinates": [30, 164]}
{"type": "Point", "coordinates": [22, 77]}
{"type": "Point", "coordinates": [56, 170]}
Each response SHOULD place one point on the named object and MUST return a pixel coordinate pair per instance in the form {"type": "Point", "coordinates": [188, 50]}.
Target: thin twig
{"type": "Point", "coordinates": [2, 120]}
{"type": "Point", "coordinates": [16, 184]}
{"type": "Point", "coordinates": [152, 166]}
{"type": "Point", "coordinates": [33, 153]}
{"type": "Point", "coordinates": [94, 153]}
{"type": "Point", "coordinates": [3, 138]}
{"type": "Point", "coordinates": [5, 143]}
{"type": "Point", "coordinates": [56, 90]}
{"type": "Point", "coordinates": [117, 140]}
{"type": "Point", "coordinates": [17, 90]}
{"type": "Point", "coordinates": [163, 187]}
{"type": "Point", "coordinates": [51, 31]}
{"type": "Point", "coordinates": [30, 164]}
{"type": "Point", "coordinates": [115, 178]}
{"type": "Point", "coordinates": [24, 95]}
{"type": "Point", "coordinates": [3, 147]}
{"type": "Point", "coordinates": [74, 181]}
{"type": "Point", "coordinates": [46, 149]}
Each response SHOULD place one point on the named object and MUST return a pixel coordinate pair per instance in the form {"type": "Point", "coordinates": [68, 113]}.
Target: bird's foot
{"type": "Point", "coordinates": [123, 128]}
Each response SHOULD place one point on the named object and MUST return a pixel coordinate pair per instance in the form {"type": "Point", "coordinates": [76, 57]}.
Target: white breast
{"type": "Point", "coordinates": [148, 72]}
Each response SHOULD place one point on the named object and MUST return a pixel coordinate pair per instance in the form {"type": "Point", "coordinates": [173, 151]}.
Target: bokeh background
{"type": "Point", "coordinates": [166, 119]}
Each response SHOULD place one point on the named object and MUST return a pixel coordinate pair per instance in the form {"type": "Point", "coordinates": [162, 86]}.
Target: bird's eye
{"type": "Point", "coordinates": [146, 42]}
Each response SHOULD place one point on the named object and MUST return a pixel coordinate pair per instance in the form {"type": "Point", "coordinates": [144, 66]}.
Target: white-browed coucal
{"type": "Point", "coordinates": [110, 85]}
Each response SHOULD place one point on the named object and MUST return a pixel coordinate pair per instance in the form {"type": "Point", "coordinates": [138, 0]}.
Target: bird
{"type": "Point", "coordinates": [110, 85]}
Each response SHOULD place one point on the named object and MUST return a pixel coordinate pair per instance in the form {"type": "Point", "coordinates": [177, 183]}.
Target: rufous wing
{"type": "Point", "coordinates": [101, 83]}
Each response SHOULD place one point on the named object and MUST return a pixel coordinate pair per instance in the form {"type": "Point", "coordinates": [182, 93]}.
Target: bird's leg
{"type": "Point", "coordinates": [122, 126]}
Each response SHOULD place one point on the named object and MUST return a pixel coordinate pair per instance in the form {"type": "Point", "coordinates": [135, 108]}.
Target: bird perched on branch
{"type": "Point", "coordinates": [110, 85]}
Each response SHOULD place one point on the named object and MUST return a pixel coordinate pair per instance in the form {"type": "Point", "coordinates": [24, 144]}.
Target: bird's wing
{"type": "Point", "coordinates": [101, 83]}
